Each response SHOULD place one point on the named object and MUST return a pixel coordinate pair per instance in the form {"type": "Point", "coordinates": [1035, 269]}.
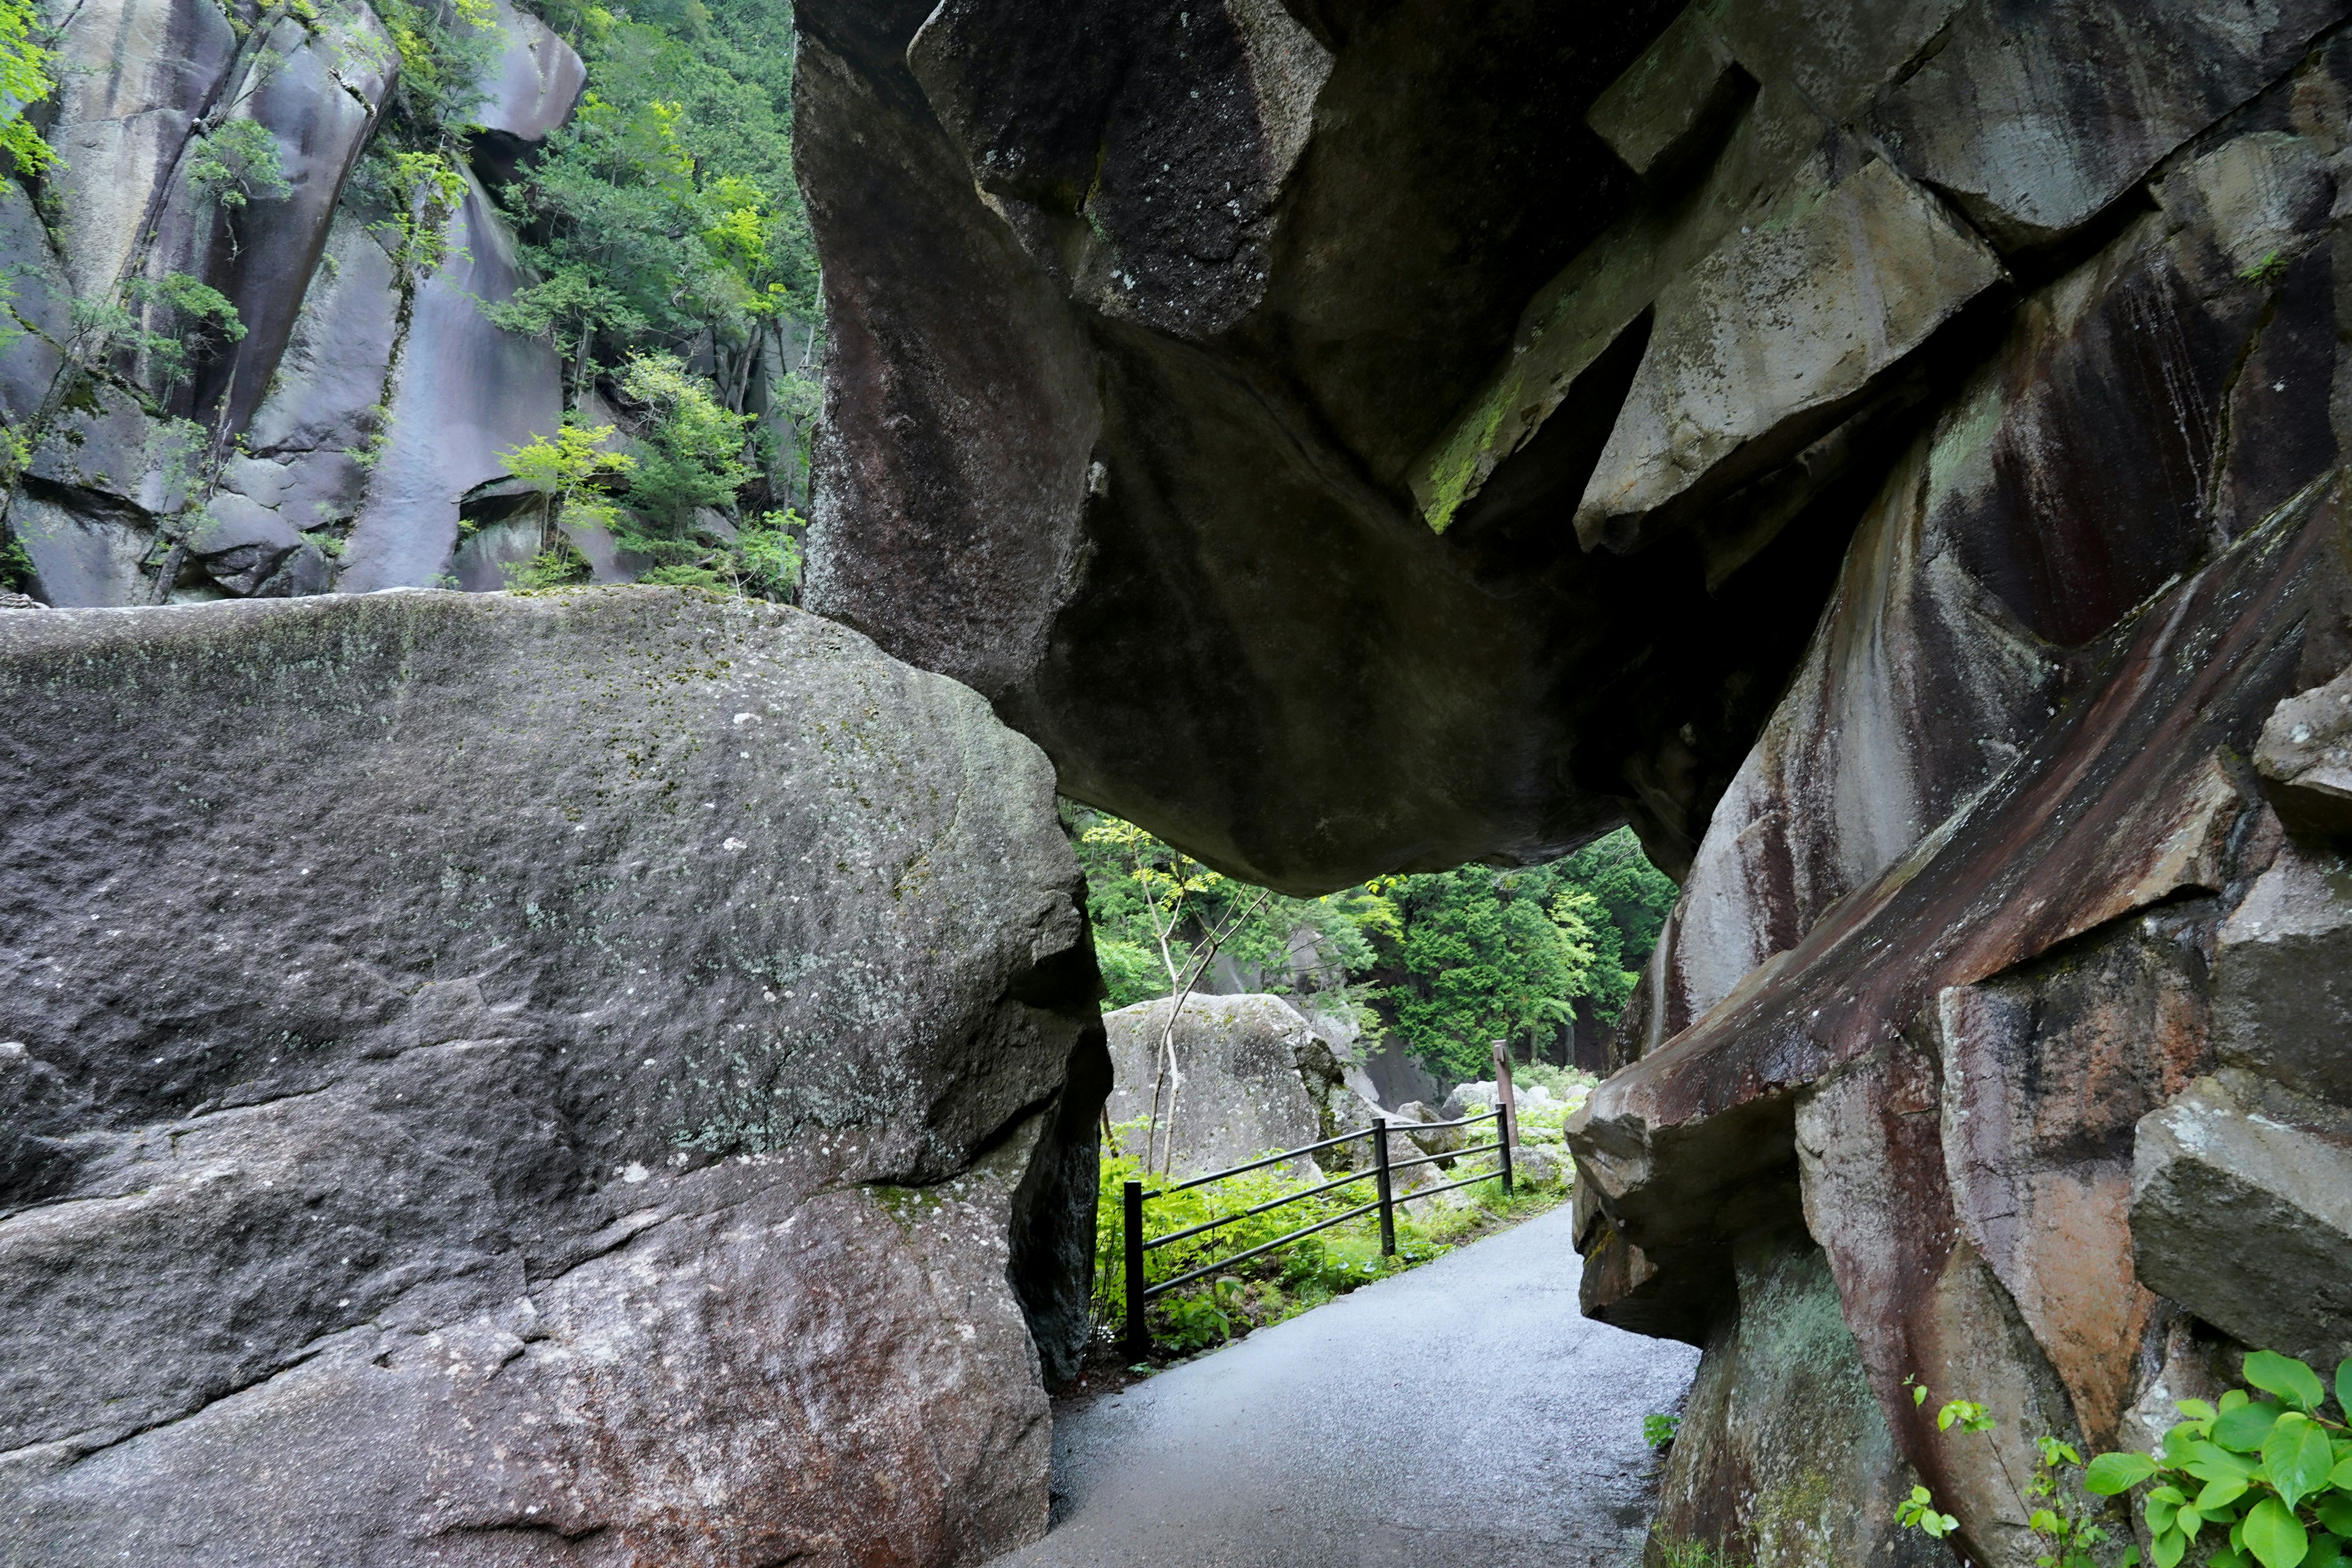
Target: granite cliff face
{"type": "Point", "coordinates": [602, 1079]}
{"type": "Point", "coordinates": [1890, 451]}
{"type": "Point", "coordinates": [331, 444]}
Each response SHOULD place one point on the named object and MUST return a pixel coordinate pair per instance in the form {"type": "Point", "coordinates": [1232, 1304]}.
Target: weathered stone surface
{"type": "Point", "coordinates": [1782, 1456]}
{"type": "Point", "coordinates": [2035, 118]}
{"type": "Point", "coordinates": [530, 92]}
{"type": "Point", "coordinates": [1772, 340]}
{"type": "Point", "coordinates": [1670, 102]}
{"type": "Point", "coordinates": [611, 1074]}
{"type": "Point", "coordinates": [462, 391]}
{"type": "Point", "coordinates": [2045, 1070]}
{"type": "Point", "coordinates": [1990, 550]}
{"type": "Point", "coordinates": [2242, 1211]}
{"type": "Point", "coordinates": [2283, 977]}
{"type": "Point", "coordinates": [2306, 758]}
{"type": "Point", "coordinates": [1971, 627]}
{"type": "Point", "coordinates": [1235, 1085]}
{"type": "Point", "coordinates": [1038, 498]}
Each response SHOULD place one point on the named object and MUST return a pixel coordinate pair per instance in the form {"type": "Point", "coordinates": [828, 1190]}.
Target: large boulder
{"type": "Point", "coordinates": [1237, 1077]}
{"type": "Point", "coordinates": [611, 1074]}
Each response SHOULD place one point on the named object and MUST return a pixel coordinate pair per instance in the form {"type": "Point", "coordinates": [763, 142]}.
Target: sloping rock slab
{"type": "Point", "coordinates": [2119, 803]}
{"type": "Point", "coordinates": [601, 1079]}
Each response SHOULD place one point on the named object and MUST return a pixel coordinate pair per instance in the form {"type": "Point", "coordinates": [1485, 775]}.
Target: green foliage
{"type": "Point", "coordinates": [1666, 1551]}
{"type": "Point", "coordinates": [565, 468]}
{"type": "Point", "coordinates": [1486, 956]}
{"type": "Point", "coordinates": [1470, 955]}
{"type": "Point", "coordinates": [1197, 1323]}
{"type": "Point", "coordinates": [1280, 1284]}
{"type": "Point", "coordinates": [2269, 1477]}
{"type": "Point", "coordinates": [667, 211]}
{"type": "Point", "coordinates": [1153, 906]}
{"type": "Point", "coordinates": [1635, 898]}
{"type": "Point", "coordinates": [1918, 1512]}
{"type": "Point", "coordinates": [170, 321]}
{"type": "Point", "coordinates": [15, 567]}
{"type": "Point", "coordinates": [237, 164]}
{"type": "Point", "coordinates": [445, 59]}
{"type": "Point", "coordinates": [424, 191]}
{"type": "Point", "coordinates": [1658, 1429]}
{"type": "Point", "coordinates": [26, 79]}
{"type": "Point", "coordinates": [566, 473]}
{"type": "Point", "coordinates": [694, 446]}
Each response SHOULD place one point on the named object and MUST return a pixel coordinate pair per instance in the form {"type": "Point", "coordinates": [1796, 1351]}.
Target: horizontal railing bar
{"type": "Point", "coordinates": [1260, 1165]}
{"type": "Point", "coordinates": [1494, 1176]}
{"type": "Point", "coordinates": [1405, 1127]}
{"type": "Point", "coordinates": [1273, 1204]}
{"type": "Point", "coordinates": [1167, 1285]}
{"type": "Point", "coordinates": [1454, 1154]}
{"type": "Point", "coordinates": [1433, 1126]}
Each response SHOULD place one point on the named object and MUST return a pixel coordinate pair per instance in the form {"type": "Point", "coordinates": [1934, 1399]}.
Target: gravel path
{"type": "Point", "coordinates": [1460, 1414]}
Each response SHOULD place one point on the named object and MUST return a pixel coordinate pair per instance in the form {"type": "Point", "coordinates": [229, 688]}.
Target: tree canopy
{"type": "Point", "coordinates": [1448, 960]}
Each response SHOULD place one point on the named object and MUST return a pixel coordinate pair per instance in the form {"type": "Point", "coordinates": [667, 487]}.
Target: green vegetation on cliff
{"type": "Point", "coordinates": [673, 272]}
{"type": "Point", "coordinates": [678, 280]}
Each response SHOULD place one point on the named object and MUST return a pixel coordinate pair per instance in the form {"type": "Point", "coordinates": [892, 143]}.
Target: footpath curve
{"type": "Point", "coordinates": [1462, 1414]}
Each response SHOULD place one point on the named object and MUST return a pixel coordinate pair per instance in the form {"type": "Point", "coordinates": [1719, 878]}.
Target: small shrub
{"type": "Point", "coordinates": [237, 164]}
{"type": "Point", "coordinates": [1658, 1429]}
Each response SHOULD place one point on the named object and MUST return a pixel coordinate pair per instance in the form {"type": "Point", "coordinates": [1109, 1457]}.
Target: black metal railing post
{"type": "Point", "coordinates": [1139, 1331]}
{"type": "Point", "coordinates": [1388, 1199]}
{"type": "Point", "coordinates": [1506, 1110]}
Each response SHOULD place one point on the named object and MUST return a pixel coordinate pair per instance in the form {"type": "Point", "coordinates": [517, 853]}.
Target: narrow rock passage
{"type": "Point", "coordinates": [1460, 1413]}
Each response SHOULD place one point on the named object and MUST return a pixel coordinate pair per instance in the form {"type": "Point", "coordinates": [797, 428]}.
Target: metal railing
{"type": "Point", "coordinates": [1382, 1170]}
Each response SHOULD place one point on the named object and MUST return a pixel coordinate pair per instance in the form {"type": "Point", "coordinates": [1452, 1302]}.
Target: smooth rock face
{"type": "Point", "coordinates": [362, 398]}
{"type": "Point", "coordinates": [1237, 1090]}
{"type": "Point", "coordinates": [611, 1074]}
{"type": "Point", "coordinates": [1769, 343]}
{"type": "Point", "coordinates": [2242, 1211]}
{"type": "Point", "coordinates": [1995, 887]}
{"type": "Point", "coordinates": [2283, 975]}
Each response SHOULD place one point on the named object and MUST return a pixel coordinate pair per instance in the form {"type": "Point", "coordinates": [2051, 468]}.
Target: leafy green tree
{"type": "Point", "coordinates": [694, 448]}
{"type": "Point", "coordinates": [568, 474]}
{"type": "Point", "coordinates": [237, 164]}
{"type": "Point", "coordinates": [25, 80]}
{"type": "Point", "coordinates": [1483, 959]}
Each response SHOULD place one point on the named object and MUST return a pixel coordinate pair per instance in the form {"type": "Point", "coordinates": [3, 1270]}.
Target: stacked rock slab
{"type": "Point", "coordinates": [603, 1078]}
{"type": "Point", "coordinates": [1910, 489]}
{"type": "Point", "coordinates": [1985, 908]}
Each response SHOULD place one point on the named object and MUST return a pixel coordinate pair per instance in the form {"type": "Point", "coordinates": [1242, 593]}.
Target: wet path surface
{"type": "Point", "coordinates": [1462, 1414]}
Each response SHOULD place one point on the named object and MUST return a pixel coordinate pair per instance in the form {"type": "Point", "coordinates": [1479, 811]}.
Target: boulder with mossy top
{"type": "Point", "coordinates": [486, 1069]}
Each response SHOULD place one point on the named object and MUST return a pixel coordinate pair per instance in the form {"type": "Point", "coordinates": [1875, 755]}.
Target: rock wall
{"type": "Point", "coordinates": [1891, 451]}
{"type": "Point", "coordinates": [331, 445]}
{"type": "Point", "coordinates": [599, 1079]}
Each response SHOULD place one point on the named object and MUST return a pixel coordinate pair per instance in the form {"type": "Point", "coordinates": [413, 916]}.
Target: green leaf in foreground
{"type": "Point", "coordinates": [2110, 1474]}
{"type": "Point", "coordinates": [2242, 1429]}
{"type": "Point", "coordinates": [2298, 1456]}
{"type": "Point", "coordinates": [2288, 1378]}
{"type": "Point", "coordinates": [2276, 1536]}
